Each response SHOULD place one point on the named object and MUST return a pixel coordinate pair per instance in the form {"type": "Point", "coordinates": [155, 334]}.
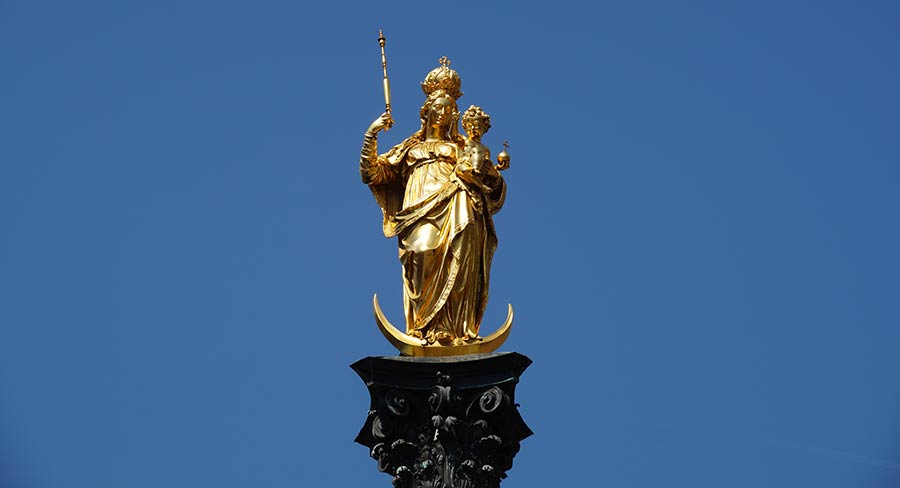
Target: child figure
{"type": "Point", "coordinates": [476, 155]}
{"type": "Point", "coordinates": [474, 169]}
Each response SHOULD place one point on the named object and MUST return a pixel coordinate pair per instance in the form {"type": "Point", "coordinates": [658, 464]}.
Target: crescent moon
{"type": "Point", "coordinates": [412, 346]}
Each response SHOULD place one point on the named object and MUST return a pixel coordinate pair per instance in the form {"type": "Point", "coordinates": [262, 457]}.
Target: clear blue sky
{"type": "Point", "coordinates": [700, 238]}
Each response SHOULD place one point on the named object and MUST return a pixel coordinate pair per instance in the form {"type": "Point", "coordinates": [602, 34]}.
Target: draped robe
{"type": "Point", "coordinates": [445, 234]}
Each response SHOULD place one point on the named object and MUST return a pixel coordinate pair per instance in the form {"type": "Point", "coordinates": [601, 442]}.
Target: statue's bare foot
{"type": "Point", "coordinates": [415, 333]}
{"type": "Point", "coordinates": [443, 338]}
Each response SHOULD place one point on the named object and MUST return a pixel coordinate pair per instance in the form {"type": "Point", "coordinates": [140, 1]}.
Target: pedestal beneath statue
{"type": "Point", "coordinates": [448, 422]}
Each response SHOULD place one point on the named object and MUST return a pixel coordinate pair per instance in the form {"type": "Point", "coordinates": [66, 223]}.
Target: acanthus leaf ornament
{"type": "Point", "coordinates": [462, 429]}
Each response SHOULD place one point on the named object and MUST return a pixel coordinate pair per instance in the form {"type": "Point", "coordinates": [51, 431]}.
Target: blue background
{"type": "Point", "coordinates": [700, 238]}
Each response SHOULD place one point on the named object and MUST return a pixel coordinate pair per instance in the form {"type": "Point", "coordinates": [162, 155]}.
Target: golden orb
{"type": "Point", "coordinates": [503, 160]}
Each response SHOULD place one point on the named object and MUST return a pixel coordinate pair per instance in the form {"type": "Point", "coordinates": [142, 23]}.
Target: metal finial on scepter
{"type": "Point", "coordinates": [387, 86]}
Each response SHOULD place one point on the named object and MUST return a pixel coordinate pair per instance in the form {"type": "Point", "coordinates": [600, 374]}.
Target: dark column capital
{"type": "Point", "coordinates": [447, 422]}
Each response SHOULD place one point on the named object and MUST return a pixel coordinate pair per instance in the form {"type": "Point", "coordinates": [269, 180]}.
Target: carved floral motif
{"type": "Point", "coordinates": [445, 435]}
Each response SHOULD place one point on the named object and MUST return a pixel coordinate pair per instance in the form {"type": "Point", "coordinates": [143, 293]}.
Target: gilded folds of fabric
{"type": "Point", "coordinates": [445, 234]}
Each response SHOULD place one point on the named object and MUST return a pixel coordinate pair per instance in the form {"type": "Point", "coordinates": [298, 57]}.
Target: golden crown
{"type": "Point", "coordinates": [443, 78]}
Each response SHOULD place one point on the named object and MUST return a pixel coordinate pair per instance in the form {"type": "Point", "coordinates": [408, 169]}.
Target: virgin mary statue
{"type": "Point", "coordinates": [440, 211]}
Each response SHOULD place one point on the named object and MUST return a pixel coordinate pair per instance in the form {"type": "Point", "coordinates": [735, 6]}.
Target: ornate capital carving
{"type": "Point", "coordinates": [443, 422]}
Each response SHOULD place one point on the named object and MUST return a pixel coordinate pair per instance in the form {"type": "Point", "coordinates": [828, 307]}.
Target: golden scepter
{"type": "Point", "coordinates": [387, 85]}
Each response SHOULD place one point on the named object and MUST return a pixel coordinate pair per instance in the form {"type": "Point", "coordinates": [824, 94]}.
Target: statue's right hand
{"type": "Point", "coordinates": [384, 122]}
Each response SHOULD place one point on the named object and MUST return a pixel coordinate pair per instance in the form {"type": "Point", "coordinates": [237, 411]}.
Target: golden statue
{"type": "Point", "coordinates": [438, 192]}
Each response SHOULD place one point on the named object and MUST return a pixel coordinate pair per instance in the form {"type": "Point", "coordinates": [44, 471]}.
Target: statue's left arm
{"type": "Point", "coordinates": [495, 187]}
{"type": "Point", "coordinates": [486, 180]}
